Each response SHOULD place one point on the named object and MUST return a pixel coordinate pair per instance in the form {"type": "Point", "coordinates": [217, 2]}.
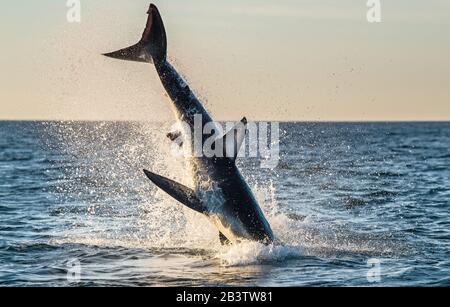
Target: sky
{"type": "Point", "coordinates": [296, 60]}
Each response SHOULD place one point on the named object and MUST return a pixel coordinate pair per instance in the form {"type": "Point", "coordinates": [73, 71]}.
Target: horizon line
{"type": "Point", "coordinates": [232, 120]}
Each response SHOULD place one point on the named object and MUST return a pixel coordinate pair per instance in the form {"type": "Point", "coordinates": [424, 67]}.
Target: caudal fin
{"type": "Point", "coordinates": [152, 48]}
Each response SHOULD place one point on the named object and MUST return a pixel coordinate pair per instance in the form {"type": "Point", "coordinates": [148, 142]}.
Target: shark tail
{"type": "Point", "coordinates": [152, 48]}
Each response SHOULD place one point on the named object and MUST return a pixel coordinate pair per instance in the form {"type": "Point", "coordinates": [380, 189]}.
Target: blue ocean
{"type": "Point", "coordinates": [351, 204]}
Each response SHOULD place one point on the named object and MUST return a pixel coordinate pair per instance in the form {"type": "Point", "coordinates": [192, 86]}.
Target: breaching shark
{"type": "Point", "coordinates": [220, 193]}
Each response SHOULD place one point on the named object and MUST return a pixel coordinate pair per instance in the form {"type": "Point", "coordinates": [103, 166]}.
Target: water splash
{"type": "Point", "coordinates": [107, 201]}
{"type": "Point", "coordinates": [248, 252]}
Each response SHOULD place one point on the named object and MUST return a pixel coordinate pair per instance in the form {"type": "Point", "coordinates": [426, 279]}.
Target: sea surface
{"type": "Point", "coordinates": [351, 204]}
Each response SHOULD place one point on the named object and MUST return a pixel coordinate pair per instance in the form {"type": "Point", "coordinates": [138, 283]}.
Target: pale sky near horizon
{"type": "Point", "coordinates": [305, 60]}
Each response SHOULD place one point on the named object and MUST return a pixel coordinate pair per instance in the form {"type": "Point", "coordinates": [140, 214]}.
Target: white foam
{"type": "Point", "coordinates": [248, 252]}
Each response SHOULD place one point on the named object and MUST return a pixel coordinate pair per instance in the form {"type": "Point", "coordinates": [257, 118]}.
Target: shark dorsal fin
{"type": "Point", "coordinates": [233, 139]}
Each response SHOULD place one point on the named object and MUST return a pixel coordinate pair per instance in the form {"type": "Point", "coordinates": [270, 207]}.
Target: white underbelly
{"type": "Point", "coordinates": [229, 226]}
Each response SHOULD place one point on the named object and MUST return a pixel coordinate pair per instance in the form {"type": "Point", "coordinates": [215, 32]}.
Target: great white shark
{"type": "Point", "coordinates": [220, 192]}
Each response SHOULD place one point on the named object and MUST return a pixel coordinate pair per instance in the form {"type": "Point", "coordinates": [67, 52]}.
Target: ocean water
{"type": "Point", "coordinates": [351, 204]}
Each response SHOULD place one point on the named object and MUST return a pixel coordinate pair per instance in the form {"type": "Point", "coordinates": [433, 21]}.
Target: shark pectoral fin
{"type": "Point", "coordinates": [223, 240]}
{"type": "Point", "coordinates": [181, 193]}
{"type": "Point", "coordinates": [234, 138]}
